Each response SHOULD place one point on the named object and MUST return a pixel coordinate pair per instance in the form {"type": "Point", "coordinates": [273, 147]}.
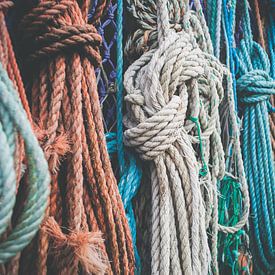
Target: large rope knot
{"type": "Point", "coordinates": [57, 27]}
{"type": "Point", "coordinates": [165, 88]}
{"type": "Point", "coordinates": [157, 133]}
{"type": "Point", "coordinates": [5, 4]}
{"type": "Point", "coordinates": [254, 83]}
{"type": "Point", "coordinates": [255, 86]}
{"type": "Point", "coordinates": [86, 247]}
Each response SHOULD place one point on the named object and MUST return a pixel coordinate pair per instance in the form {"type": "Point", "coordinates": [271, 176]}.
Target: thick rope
{"type": "Point", "coordinates": [254, 87]}
{"type": "Point", "coordinates": [64, 50]}
{"type": "Point", "coordinates": [13, 119]}
{"type": "Point", "coordinates": [233, 189]}
{"type": "Point", "coordinates": [19, 225]}
{"type": "Point", "coordinates": [180, 77]}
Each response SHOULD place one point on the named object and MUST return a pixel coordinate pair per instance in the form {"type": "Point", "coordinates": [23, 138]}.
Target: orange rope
{"type": "Point", "coordinates": [60, 51]}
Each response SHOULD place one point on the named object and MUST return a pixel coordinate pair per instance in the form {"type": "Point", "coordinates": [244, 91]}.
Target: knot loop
{"type": "Point", "coordinates": [166, 84]}
{"type": "Point", "coordinates": [5, 4]}
{"type": "Point", "coordinates": [51, 33]}
{"type": "Point", "coordinates": [156, 134]}
{"type": "Point", "coordinates": [255, 86]}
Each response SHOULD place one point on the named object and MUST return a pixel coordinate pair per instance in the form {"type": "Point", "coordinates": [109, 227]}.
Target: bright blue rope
{"type": "Point", "coordinates": [130, 173]}
{"type": "Point", "coordinates": [254, 87]}
{"type": "Point", "coordinates": [119, 83]}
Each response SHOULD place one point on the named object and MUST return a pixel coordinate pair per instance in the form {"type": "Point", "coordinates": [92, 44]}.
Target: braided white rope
{"type": "Point", "coordinates": [167, 86]}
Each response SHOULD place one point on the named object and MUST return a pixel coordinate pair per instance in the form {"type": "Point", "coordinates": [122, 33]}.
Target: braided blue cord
{"type": "Point", "coordinates": [13, 118]}
{"type": "Point", "coordinates": [254, 86]}
{"type": "Point", "coordinates": [119, 82]}
{"type": "Point", "coordinates": [130, 172]}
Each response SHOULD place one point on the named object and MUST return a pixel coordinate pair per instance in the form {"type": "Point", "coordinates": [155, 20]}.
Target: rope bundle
{"type": "Point", "coordinates": [64, 50]}
{"type": "Point", "coordinates": [173, 95]}
{"type": "Point", "coordinates": [20, 152]}
{"type": "Point", "coordinates": [173, 98]}
{"type": "Point", "coordinates": [255, 87]}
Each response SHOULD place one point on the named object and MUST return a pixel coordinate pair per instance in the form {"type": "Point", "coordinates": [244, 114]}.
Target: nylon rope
{"type": "Point", "coordinates": [129, 170]}
{"type": "Point", "coordinates": [255, 86]}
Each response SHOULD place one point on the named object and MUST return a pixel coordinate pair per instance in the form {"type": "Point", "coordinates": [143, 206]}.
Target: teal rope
{"type": "Point", "coordinates": [130, 173]}
{"type": "Point", "coordinates": [119, 83]}
{"type": "Point", "coordinates": [13, 119]}
{"type": "Point", "coordinates": [231, 197]}
{"type": "Point", "coordinates": [254, 86]}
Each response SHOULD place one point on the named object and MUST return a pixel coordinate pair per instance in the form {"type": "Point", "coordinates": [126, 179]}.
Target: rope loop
{"type": "Point", "coordinates": [5, 4]}
{"type": "Point", "coordinates": [48, 33]}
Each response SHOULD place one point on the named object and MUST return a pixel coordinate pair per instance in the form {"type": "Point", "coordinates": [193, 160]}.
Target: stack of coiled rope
{"type": "Point", "coordinates": [24, 177]}
{"type": "Point", "coordinates": [85, 206]}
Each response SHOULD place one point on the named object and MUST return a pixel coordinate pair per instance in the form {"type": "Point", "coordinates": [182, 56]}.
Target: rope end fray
{"type": "Point", "coordinates": [85, 247]}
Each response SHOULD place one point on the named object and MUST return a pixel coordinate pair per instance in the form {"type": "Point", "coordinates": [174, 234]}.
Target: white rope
{"type": "Point", "coordinates": [171, 92]}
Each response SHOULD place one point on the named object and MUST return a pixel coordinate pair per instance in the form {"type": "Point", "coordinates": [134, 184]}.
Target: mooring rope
{"type": "Point", "coordinates": [255, 86]}
{"type": "Point", "coordinates": [63, 48]}
{"type": "Point", "coordinates": [173, 96]}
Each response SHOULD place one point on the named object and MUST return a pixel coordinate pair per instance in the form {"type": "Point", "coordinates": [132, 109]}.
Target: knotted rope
{"type": "Point", "coordinates": [255, 86]}
{"type": "Point", "coordinates": [173, 96]}
{"type": "Point", "coordinates": [84, 198]}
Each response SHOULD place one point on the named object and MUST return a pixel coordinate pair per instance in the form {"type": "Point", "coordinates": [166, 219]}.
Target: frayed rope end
{"type": "Point", "coordinates": [85, 246]}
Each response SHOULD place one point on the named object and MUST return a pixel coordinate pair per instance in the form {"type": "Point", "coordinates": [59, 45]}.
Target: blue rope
{"type": "Point", "coordinates": [130, 173]}
{"type": "Point", "coordinates": [12, 120]}
{"type": "Point", "coordinates": [129, 170]}
{"type": "Point", "coordinates": [119, 82]}
{"type": "Point", "coordinates": [254, 87]}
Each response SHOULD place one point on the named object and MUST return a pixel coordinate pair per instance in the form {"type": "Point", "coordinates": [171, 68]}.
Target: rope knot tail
{"type": "Point", "coordinates": [255, 86]}
{"type": "Point", "coordinates": [85, 247]}
{"type": "Point", "coordinates": [49, 32]}
{"type": "Point", "coordinates": [5, 4]}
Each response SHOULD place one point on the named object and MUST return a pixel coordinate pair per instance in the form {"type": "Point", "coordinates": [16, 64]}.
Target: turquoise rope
{"type": "Point", "coordinates": [230, 200]}
{"type": "Point", "coordinates": [119, 83]}
{"type": "Point", "coordinates": [254, 86]}
{"type": "Point", "coordinates": [130, 172]}
{"type": "Point", "coordinates": [13, 118]}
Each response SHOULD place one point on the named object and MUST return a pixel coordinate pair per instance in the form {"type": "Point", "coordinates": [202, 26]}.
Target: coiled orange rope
{"type": "Point", "coordinates": [60, 51]}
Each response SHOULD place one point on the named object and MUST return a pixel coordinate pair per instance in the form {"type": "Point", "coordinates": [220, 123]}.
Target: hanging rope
{"type": "Point", "coordinates": [129, 172]}
{"type": "Point", "coordinates": [233, 189]}
{"type": "Point", "coordinates": [254, 87]}
{"type": "Point", "coordinates": [13, 121]}
{"type": "Point", "coordinates": [24, 172]}
{"type": "Point", "coordinates": [171, 106]}
{"type": "Point", "coordinates": [85, 204]}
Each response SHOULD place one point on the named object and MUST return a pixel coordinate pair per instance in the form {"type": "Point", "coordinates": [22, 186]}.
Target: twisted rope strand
{"type": "Point", "coordinates": [71, 117]}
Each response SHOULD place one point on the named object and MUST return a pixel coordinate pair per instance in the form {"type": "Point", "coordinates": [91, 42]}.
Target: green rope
{"type": "Point", "coordinates": [204, 170]}
{"type": "Point", "coordinates": [13, 120]}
